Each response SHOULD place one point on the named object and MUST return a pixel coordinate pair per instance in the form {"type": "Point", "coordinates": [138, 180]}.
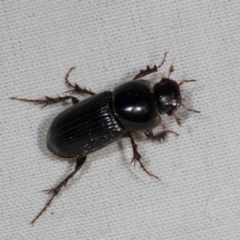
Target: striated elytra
{"type": "Point", "coordinates": [84, 128]}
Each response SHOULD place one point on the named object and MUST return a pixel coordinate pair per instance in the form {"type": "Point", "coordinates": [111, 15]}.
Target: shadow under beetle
{"type": "Point", "coordinates": [103, 118]}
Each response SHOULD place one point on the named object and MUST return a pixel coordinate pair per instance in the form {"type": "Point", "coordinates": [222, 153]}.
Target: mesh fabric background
{"type": "Point", "coordinates": [198, 196]}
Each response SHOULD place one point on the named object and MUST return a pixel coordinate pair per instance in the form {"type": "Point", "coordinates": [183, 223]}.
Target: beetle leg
{"type": "Point", "coordinates": [79, 162]}
{"type": "Point", "coordinates": [149, 70]}
{"type": "Point", "coordinates": [75, 87]}
{"type": "Point", "coordinates": [137, 156]}
{"type": "Point", "coordinates": [159, 136]}
{"type": "Point", "coordinates": [48, 100]}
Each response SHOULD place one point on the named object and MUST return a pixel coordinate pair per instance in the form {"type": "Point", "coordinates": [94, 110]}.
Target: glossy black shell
{"type": "Point", "coordinates": [85, 127]}
{"type": "Point", "coordinates": [134, 106]}
{"type": "Point", "coordinates": [167, 95]}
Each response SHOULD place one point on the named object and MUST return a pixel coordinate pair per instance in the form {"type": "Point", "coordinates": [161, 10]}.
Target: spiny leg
{"type": "Point", "coordinates": [159, 136]}
{"type": "Point", "coordinates": [149, 70]}
{"type": "Point", "coordinates": [75, 87]}
{"type": "Point", "coordinates": [137, 156]}
{"type": "Point", "coordinates": [79, 162]}
{"type": "Point", "coordinates": [47, 100]}
{"type": "Point", "coordinates": [50, 100]}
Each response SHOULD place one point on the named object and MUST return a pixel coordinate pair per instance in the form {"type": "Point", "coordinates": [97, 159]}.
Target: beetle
{"type": "Point", "coordinates": [103, 118]}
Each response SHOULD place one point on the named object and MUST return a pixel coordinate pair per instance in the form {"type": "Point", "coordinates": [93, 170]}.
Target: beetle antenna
{"type": "Point", "coordinates": [186, 81]}
{"type": "Point", "coordinates": [189, 109]}
{"type": "Point", "coordinates": [183, 105]}
{"type": "Point", "coordinates": [171, 69]}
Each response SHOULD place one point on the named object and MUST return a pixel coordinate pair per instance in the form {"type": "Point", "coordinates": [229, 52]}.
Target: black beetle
{"type": "Point", "coordinates": [96, 122]}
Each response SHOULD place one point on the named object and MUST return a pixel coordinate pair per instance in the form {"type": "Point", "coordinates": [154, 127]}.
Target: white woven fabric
{"type": "Point", "coordinates": [198, 196]}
